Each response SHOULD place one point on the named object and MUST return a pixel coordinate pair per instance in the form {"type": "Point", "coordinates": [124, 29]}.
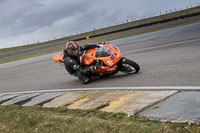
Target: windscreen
{"type": "Point", "coordinates": [103, 52]}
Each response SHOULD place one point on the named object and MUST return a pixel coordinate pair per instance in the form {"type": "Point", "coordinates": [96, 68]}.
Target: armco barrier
{"type": "Point", "coordinates": [143, 25]}
{"type": "Point", "coordinates": [102, 34]}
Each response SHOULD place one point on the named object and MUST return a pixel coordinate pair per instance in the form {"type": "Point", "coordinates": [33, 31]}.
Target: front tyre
{"type": "Point", "coordinates": [129, 67]}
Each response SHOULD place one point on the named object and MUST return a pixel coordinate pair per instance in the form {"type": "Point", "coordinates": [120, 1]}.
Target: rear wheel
{"type": "Point", "coordinates": [129, 66]}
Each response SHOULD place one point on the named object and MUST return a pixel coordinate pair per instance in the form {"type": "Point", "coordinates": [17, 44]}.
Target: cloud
{"type": "Point", "coordinates": [24, 21]}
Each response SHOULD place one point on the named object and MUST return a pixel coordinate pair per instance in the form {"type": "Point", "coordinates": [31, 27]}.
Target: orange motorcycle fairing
{"type": "Point", "coordinates": [59, 59]}
{"type": "Point", "coordinates": [88, 57]}
{"type": "Point", "coordinates": [105, 70]}
{"type": "Point", "coordinates": [110, 55]}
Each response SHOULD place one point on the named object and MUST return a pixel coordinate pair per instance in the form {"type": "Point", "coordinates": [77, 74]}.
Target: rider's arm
{"type": "Point", "coordinates": [89, 46]}
{"type": "Point", "coordinates": [64, 53]}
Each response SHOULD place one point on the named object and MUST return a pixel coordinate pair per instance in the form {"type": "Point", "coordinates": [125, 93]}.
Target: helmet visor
{"type": "Point", "coordinates": [75, 51]}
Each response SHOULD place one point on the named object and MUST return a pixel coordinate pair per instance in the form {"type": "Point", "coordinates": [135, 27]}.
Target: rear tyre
{"type": "Point", "coordinates": [129, 67]}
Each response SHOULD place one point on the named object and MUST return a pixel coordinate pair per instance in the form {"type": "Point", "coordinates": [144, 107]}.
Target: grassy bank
{"type": "Point", "coordinates": [20, 119]}
{"type": "Point", "coordinates": [108, 37]}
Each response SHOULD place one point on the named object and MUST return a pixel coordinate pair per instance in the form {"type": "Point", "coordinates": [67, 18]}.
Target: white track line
{"type": "Point", "coordinates": [145, 88]}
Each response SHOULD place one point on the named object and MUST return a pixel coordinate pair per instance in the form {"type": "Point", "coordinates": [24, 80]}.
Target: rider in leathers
{"type": "Point", "coordinates": [71, 56]}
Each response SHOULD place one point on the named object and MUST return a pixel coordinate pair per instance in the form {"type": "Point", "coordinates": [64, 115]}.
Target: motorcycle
{"type": "Point", "coordinates": [109, 59]}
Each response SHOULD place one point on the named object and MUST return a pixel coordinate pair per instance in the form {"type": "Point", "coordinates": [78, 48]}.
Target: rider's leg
{"type": "Point", "coordinates": [74, 68]}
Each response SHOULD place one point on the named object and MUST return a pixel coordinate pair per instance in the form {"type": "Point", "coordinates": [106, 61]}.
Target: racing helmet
{"type": "Point", "coordinates": [73, 48]}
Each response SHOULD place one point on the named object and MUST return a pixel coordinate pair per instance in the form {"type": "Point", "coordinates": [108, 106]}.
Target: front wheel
{"type": "Point", "coordinates": [129, 66]}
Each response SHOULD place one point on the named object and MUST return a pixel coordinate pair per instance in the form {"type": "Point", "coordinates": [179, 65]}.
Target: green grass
{"type": "Point", "coordinates": [105, 37]}
{"type": "Point", "coordinates": [20, 119]}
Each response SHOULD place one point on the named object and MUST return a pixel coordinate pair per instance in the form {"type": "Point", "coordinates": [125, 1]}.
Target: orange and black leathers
{"type": "Point", "coordinates": [72, 63]}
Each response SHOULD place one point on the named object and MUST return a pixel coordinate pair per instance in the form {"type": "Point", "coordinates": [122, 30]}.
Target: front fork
{"type": "Point", "coordinates": [119, 64]}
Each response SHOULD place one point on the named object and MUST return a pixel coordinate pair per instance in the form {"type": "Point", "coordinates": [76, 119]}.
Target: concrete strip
{"type": "Point", "coordinates": [68, 98]}
{"type": "Point", "coordinates": [143, 88]}
{"type": "Point", "coordinates": [82, 103]}
{"type": "Point", "coordinates": [20, 98]}
{"type": "Point", "coordinates": [43, 98]}
{"type": "Point", "coordinates": [7, 97]}
{"type": "Point", "coordinates": [135, 101]}
{"type": "Point", "coordinates": [100, 101]}
{"type": "Point", "coordinates": [184, 106]}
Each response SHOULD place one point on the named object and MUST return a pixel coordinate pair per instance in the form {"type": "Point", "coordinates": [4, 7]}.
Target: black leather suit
{"type": "Point", "coordinates": [72, 63]}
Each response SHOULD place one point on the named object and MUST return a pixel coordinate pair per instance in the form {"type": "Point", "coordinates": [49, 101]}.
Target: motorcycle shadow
{"type": "Point", "coordinates": [114, 77]}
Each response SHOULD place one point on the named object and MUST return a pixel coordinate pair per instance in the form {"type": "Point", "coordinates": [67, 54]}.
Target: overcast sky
{"type": "Point", "coordinates": [27, 21]}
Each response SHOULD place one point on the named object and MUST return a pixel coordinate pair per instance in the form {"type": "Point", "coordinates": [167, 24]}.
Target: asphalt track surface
{"type": "Point", "coordinates": [167, 58]}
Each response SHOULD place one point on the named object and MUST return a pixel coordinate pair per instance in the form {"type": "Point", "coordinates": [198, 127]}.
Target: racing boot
{"type": "Point", "coordinates": [84, 79]}
{"type": "Point", "coordinates": [82, 76]}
